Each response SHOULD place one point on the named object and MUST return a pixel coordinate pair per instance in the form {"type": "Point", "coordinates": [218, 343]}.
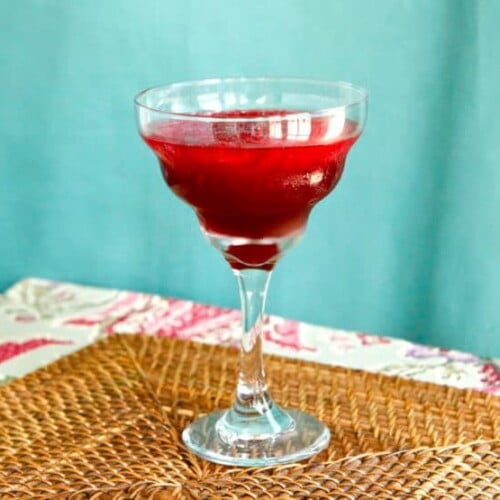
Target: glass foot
{"type": "Point", "coordinates": [275, 437]}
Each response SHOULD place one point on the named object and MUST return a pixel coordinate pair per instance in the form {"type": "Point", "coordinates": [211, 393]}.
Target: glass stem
{"type": "Point", "coordinates": [252, 397]}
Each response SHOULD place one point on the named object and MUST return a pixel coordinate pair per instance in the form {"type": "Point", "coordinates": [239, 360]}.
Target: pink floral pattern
{"type": "Point", "coordinates": [368, 340]}
{"type": "Point", "coordinates": [36, 315]}
{"type": "Point", "coordinates": [490, 378]}
{"type": "Point", "coordinates": [285, 334]}
{"type": "Point", "coordinates": [123, 304]}
{"type": "Point", "coordinates": [173, 318]}
{"type": "Point", "coordinates": [12, 349]}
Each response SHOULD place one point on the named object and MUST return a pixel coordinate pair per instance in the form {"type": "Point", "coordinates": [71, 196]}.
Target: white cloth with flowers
{"type": "Point", "coordinates": [42, 320]}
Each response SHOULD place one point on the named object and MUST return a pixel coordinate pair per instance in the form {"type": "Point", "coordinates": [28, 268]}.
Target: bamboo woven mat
{"type": "Point", "coordinates": [105, 422]}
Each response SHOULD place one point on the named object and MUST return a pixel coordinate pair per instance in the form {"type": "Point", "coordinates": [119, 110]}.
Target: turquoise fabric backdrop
{"type": "Point", "coordinates": [407, 246]}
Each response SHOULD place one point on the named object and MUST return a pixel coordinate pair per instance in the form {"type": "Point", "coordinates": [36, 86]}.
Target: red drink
{"type": "Point", "coordinates": [250, 179]}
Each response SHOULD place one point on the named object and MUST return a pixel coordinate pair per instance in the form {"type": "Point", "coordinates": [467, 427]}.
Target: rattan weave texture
{"type": "Point", "coordinates": [105, 422]}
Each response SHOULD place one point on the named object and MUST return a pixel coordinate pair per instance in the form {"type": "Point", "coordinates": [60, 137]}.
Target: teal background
{"type": "Point", "coordinates": [408, 245]}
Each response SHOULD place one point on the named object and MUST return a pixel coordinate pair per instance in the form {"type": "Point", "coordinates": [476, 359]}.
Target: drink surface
{"type": "Point", "coordinates": [253, 179]}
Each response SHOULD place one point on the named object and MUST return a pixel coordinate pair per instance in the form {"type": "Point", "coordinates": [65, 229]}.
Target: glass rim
{"type": "Point", "coordinates": [360, 98]}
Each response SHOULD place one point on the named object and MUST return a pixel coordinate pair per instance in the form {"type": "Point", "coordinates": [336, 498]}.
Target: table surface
{"type": "Point", "coordinates": [41, 320]}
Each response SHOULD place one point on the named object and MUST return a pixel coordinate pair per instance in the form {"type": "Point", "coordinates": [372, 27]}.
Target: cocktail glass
{"type": "Point", "coordinates": [252, 156]}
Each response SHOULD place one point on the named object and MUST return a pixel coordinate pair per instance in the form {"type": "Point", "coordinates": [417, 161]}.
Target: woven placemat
{"type": "Point", "coordinates": [105, 422]}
